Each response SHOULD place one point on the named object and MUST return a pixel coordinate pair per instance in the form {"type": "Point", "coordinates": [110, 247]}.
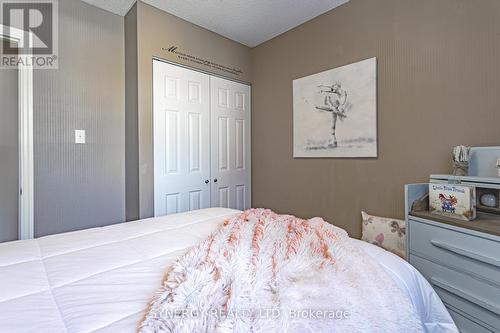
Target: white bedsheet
{"type": "Point", "coordinates": [102, 279]}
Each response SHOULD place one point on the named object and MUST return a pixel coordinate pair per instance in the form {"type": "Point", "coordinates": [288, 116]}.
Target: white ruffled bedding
{"type": "Point", "coordinates": [102, 279]}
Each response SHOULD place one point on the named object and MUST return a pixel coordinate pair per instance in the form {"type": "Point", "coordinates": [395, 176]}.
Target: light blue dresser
{"type": "Point", "coordinates": [460, 259]}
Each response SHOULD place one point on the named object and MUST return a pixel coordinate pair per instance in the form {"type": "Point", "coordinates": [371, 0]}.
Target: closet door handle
{"type": "Point", "coordinates": [215, 180]}
{"type": "Point", "coordinates": [207, 181]}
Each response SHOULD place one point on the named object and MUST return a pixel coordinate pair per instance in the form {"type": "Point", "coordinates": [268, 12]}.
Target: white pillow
{"type": "Point", "coordinates": [387, 233]}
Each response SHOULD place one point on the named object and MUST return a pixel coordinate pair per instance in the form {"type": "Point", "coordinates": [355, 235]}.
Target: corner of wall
{"type": "Point", "coordinates": [131, 116]}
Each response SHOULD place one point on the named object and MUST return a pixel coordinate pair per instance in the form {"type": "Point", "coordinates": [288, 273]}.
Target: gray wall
{"type": "Point", "coordinates": [131, 116]}
{"type": "Point", "coordinates": [438, 86]}
{"type": "Point", "coordinates": [81, 186]}
{"type": "Point", "coordinates": [9, 180]}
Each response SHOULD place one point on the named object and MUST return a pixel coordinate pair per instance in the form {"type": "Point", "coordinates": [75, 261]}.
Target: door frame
{"type": "Point", "coordinates": [25, 123]}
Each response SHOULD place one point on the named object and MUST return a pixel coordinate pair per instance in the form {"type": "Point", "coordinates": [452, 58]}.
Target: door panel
{"type": "Point", "coordinates": [230, 133]}
{"type": "Point", "coordinates": [9, 156]}
{"type": "Point", "coordinates": [181, 113]}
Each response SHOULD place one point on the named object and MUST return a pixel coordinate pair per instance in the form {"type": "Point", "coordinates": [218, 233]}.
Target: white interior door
{"type": "Point", "coordinates": [230, 154]}
{"type": "Point", "coordinates": [181, 113]}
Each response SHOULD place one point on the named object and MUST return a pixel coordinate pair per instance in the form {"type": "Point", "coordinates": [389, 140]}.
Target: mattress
{"type": "Point", "coordinates": [102, 279]}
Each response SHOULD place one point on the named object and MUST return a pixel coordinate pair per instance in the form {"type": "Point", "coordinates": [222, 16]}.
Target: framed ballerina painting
{"type": "Point", "coordinates": [335, 112]}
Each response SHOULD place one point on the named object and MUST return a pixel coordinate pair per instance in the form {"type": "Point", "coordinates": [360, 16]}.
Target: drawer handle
{"type": "Point", "coordinates": [467, 253]}
{"type": "Point", "coordinates": [468, 297]}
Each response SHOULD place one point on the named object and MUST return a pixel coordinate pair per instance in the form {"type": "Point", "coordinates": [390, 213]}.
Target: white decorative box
{"type": "Point", "coordinates": [456, 201]}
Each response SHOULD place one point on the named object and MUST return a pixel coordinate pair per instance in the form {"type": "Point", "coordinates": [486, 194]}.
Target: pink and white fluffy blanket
{"type": "Point", "coordinates": [264, 272]}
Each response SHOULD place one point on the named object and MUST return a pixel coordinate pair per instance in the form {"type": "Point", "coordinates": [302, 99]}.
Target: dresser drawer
{"type": "Point", "coordinates": [477, 298]}
{"type": "Point", "coordinates": [476, 255]}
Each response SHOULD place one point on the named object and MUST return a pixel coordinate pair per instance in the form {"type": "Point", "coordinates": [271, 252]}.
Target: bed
{"type": "Point", "coordinates": [102, 279]}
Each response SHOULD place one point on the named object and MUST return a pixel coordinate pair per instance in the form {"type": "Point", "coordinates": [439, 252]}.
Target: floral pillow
{"type": "Point", "coordinates": [387, 233]}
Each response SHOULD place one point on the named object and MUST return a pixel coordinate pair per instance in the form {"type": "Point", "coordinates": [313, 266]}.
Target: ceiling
{"type": "Point", "coordinates": [120, 7]}
{"type": "Point", "coordinates": [250, 22]}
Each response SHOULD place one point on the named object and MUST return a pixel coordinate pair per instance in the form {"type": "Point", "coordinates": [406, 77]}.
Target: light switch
{"type": "Point", "coordinates": [79, 136]}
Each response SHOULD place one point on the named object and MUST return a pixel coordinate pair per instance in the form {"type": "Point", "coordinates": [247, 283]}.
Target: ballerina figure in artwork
{"type": "Point", "coordinates": [335, 102]}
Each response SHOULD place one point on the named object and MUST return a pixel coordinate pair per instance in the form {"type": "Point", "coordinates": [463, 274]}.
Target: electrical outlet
{"type": "Point", "coordinates": [80, 136]}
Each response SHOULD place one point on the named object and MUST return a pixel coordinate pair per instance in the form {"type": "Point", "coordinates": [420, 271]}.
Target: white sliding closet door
{"type": "Point", "coordinates": [230, 146]}
{"type": "Point", "coordinates": [181, 117]}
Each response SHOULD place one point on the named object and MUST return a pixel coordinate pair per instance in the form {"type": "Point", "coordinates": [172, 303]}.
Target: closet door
{"type": "Point", "coordinates": [230, 145]}
{"type": "Point", "coordinates": [181, 113]}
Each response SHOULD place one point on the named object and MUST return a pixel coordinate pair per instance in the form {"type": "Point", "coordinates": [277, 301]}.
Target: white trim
{"type": "Point", "coordinates": [25, 105]}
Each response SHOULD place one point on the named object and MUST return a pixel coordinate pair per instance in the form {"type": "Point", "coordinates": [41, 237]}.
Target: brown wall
{"type": "Point", "coordinates": [157, 30]}
{"type": "Point", "coordinates": [438, 86]}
